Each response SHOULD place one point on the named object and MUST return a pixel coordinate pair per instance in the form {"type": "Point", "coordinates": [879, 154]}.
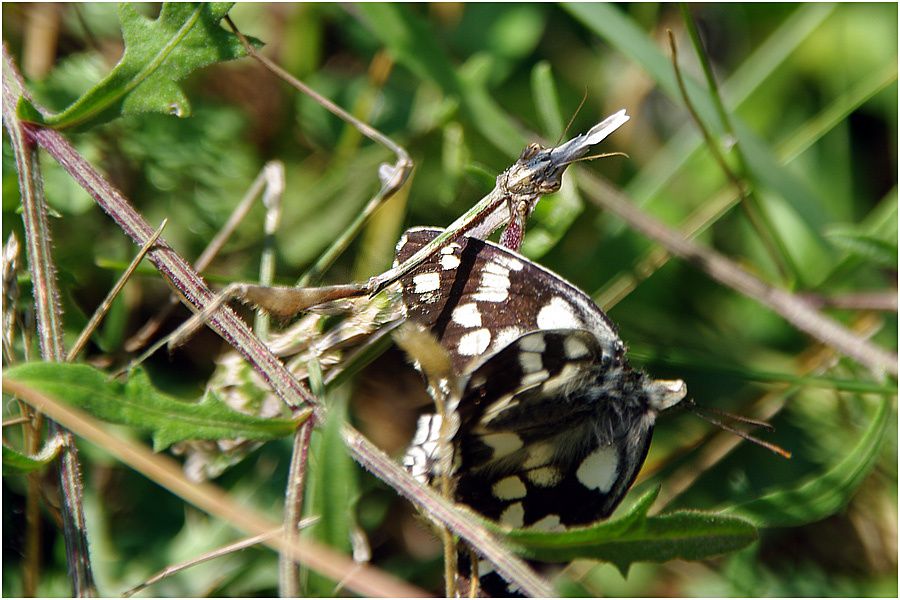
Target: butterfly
{"type": "Point", "coordinates": [552, 424]}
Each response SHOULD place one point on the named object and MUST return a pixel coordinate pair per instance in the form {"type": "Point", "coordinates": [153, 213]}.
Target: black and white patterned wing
{"type": "Point", "coordinates": [553, 424]}
{"type": "Point", "coordinates": [477, 297]}
{"type": "Point", "coordinates": [552, 431]}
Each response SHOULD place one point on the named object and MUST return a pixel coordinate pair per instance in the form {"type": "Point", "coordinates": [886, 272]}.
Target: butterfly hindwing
{"type": "Point", "coordinates": [556, 450]}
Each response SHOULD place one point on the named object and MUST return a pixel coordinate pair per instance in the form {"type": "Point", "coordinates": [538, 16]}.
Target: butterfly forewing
{"type": "Point", "coordinates": [477, 297]}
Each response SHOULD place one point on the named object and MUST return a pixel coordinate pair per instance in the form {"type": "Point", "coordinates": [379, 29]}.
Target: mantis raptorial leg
{"type": "Point", "coordinates": [537, 172]}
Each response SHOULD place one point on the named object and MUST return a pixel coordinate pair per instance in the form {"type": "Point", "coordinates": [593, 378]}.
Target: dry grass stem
{"type": "Point", "coordinates": [364, 580]}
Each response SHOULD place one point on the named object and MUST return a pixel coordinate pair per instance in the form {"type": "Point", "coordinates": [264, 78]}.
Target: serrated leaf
{"type": "Point", "coordinates": [138, 404]}
{"type": "Point", "coordinates": [824, 495]}
{"type": "Point", "coordinates": [635, 537]}
{"type": "Point", "coordinates": [158, 54]}
{"type": "Point", "coordinates": [17, 462]}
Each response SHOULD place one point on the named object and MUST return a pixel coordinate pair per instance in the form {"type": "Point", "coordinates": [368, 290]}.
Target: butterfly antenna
{"type": "Point", "coordinates": [734, 417]}
{"type": "Point", "coordinates": [565, 131]}
{"type": "Point", "coordinates": [703, 414]}
{"type": "Point", "coordinates": [594, 157]}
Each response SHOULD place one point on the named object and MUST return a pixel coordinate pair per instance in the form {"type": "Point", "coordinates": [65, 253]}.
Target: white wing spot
{"type": "Point", "coordinates": [506, 336]}
{"type": "Point", "coordinates": [530, 379]}
{"type": "Point", "coordinates": [400, 243]}
{"type": "Point", "coordinates": [484, 568]}
{"type": "Point", "coordinates": [496, 268]}
{"type": "Point", "coordinates": [548, 523]}
{"type": "Point", "coordinates": [557, 314]}
{"type": "Point", "coordinates": [530, 362]}
{"type": "Point", "coordinates": [426, 282]}
{"type": "Point", "coordinates": [509, 488]}
{"type": "Point", "coordinates": [544, 476]}
{"type": "Point", "coordinates": [417, 464]}
{"type": "Point", "coordinates": [509, 262]}
{"type": "Point", "coordinates": [491, 295]}
{"type": "Point", "coordinates": [538, 455]}
{"type": "Point", "coordinates": [467, 315]}
{"type": "Point", "coordinates": [449, 261]}
{"type": "Point", "coordinates": [569, 375]}
{"type": "Point", "coordinates": [494, 281]}
{"type": "Point", "coordinates": [450, 248]}
{"type": "Point", "coordinates": [575, 348]}
{"type": "Point", "coordinates": [533, 343]}
{"type": "Point", "coordinates": [514, 515]}
{"type": "Point", "coordinates": [494, 285]}
{"type": "Point", "coordinates": [428, 428]}
{"type": "Point", "coordinates": [503, 444]}
{"type": "Point", "coordinates": [474, 342]}
{"type": "Point", "coordinates": [599, 469]}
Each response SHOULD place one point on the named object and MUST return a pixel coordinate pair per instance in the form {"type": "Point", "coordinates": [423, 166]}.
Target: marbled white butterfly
{"type": "Point", "coordinates": [552, 424]}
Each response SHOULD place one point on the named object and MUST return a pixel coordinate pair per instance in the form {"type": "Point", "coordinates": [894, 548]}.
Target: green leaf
{"type": "Point", "coordinates": [546, 99]}
{"type": "Point", "coordinates": [868, 247]}
{"type": "Point", "coordinates": [138, 404]}
{"type": "Point", "coordinates": [16, 462]}
{"type": "Point", "coordinates": [822, 496]}
{"type": "Point", "coordinates": [635, 537]}
{"type": "Point", "coordinates": [416, 47]}
{"type": "Point", "coordinates": [158, 54]}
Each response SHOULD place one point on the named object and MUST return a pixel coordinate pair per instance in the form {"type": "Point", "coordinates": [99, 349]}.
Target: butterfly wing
{"type": "Point", "coordinates": [552, 423]}
{"type": "Point", "coordinates": [477, 297]}
{"type": "Point", "coordinates": [546, 437]}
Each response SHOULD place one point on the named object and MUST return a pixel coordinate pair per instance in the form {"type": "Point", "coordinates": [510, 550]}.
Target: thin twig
{"type": "Point", "coordinates": [11, 262]}
{"type": "Point", "coordinates": [101, 311]}
{"type": "Point", "coordinates": [49, 323]}
{"type": "Point", "coordinates": [789, 306]}
{"type": "Point", "coordinates": [271, 199]}
{"type": "Point", "coordinates": [423, 348]}
{"type": "Point", "coordinates": [208, 556]}
{"type": "Point", "coordinates": [776, 249]}
{"type": "Point", "coordinates": [880, 301]}
{"type": "Point", "coordinates": [16, 421]}
{"type": "Point", "coordinates": [149, 329]}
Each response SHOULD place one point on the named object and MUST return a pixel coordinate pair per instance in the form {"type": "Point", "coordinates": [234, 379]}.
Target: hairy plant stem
{"type": "Point", "coordinates": [288, 569]}
{"type": "Point", "coordinates": [49, 325]}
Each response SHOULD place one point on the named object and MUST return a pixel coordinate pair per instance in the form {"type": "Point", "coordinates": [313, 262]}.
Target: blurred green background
{"type": "Point", "coordinates": [811, 90]}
